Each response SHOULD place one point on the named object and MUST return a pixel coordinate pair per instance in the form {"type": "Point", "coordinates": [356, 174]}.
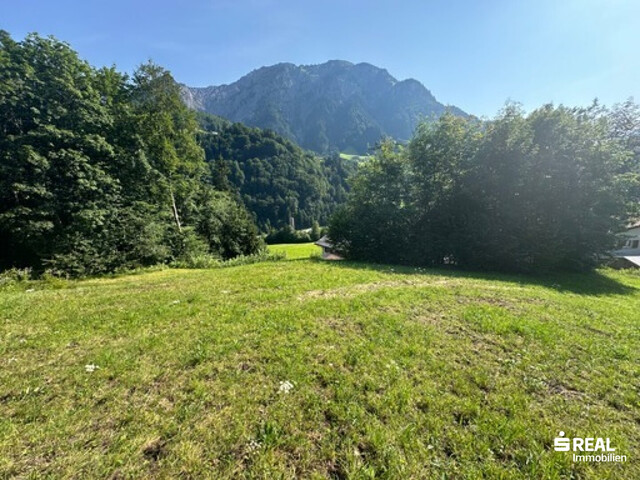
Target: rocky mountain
{"type": "Point", "coordinates": [337, 105]}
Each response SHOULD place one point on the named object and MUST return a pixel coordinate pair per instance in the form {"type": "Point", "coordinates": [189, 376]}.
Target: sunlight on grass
{"type": "Point", "coordinates": [296, 251]}
{"type": "Point", "coordinates": [312, 369]}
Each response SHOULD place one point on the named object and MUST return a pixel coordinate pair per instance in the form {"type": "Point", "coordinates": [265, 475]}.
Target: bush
{"type": "Point", "coordinates": [226, 226]}
{"type": "Point", "coordinates": [14, 276]}
{"type": "Point", "coordinates": [288, 235]}
{"type": "Point", "coordinates": [538, 192]}
{"type": "Point", "coordinates": [316, 232]}
{"type": "Point", "coordinates": [208, 261]}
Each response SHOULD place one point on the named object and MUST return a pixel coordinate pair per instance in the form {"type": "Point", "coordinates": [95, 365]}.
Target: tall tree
{"type": "Point", "coordinates": [99, 171]}
{"type": "Point", "coordinates": [374, 223]}
{"type": "Point", "coordinates": [53, 154]}
{"type": "Point", "coordinates": [532, 192]}
{"type": "Point", "coordinates": [168, 131]}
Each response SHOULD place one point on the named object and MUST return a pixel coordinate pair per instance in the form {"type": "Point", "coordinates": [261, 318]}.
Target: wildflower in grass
{"type": "Point", "coordinates": [285, 387]}
{"type": "Point", "coordinates": [253, 446]}
{"type": "Point", "coordinates": [90, 368]}
{"type": "Point", "coordinates": [175, 302]}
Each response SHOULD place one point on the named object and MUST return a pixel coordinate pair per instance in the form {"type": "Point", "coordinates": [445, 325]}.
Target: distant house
{"type": "Point", "coordinates": [628, 256]}
{"type": "Point", "coordinates": [328, 252]}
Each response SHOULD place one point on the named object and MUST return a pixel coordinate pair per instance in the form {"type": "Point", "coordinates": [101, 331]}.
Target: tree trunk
{"type": "Point", "coordinates": [175, 210]}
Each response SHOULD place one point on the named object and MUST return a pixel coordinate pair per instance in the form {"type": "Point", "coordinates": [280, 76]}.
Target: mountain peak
{"type": "Point", "coordinates": [338, 63]}
{"type": "Point", "coordinates": [336, 105]}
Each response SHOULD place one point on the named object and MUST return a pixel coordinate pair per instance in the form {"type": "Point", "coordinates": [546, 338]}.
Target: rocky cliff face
{"type": "Point", "coordinates": [333, 106]}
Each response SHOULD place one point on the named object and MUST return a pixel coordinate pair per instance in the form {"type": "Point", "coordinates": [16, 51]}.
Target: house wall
{"type": "Point", "coordinates": [630, 247]}
{"type": "Point", "coordinates": [328, 254]}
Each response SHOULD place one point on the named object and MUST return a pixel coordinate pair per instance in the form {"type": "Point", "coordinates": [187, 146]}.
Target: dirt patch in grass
{"type": "Point", "coordinates": [559, 388]}
{"type": "Point", "coordinates": [350, 291]}
{"type": "Point", "coordinates": [154, 449]}
{"type": "Point", "coordinates": [354, 290]}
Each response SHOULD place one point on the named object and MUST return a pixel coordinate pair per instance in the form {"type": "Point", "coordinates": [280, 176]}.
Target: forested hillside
{"type": "Point", "coordinates": [274, 178]}
{"type": "Point", "coordinates": [101, 171]}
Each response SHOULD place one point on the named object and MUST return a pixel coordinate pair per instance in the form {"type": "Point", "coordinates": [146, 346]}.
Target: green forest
{"type": "Point", "coordinates": [542, 191]}
{"type": "Point", "coordinates": [272, 176]}
{"type": "Point", "coordinates": [101, 171]}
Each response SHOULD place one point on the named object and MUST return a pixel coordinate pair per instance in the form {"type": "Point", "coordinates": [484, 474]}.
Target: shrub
{"type": "Point", "coordinates": [288, 235]}
{"type": "Point", "coordinates": [14, 276]}
{"type": "Point", "coordinates": [537, 192]}
{"type": "Point", "coordinates": [208, 261]}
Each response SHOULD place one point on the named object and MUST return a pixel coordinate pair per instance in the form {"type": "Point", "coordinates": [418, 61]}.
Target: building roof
{"type": "Point", "coordinates": [635, 259]}
{"type": "Point", "coordinates": [324, 242]}
{"type": "Point", "coordinates": [634, 224]}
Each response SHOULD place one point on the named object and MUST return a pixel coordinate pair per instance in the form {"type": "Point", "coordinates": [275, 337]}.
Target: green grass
{"type": "Point", "coordinates": [348, 156]}
{"type": "Point", "coordinates": [295, 251]}
{"type": "Point", "coordinates": [396, 373]}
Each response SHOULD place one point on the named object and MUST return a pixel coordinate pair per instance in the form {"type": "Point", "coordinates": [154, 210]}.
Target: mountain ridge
{"type": "Point", "coordinates": [336, 105]}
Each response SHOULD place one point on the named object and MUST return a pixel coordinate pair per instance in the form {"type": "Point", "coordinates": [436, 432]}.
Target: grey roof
{"type": "Point", "coordinates": [324, 242]}
{"type": "Point", "coordinates": [635, 259]}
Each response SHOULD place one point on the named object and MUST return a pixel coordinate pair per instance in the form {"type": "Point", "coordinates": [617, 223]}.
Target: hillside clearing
{"type": "Point", "coordinates": [349, 156]}
{"type": "Point", "coordinates": [295, 251]}
{"type": "Point", "coordinates": [315, 369]}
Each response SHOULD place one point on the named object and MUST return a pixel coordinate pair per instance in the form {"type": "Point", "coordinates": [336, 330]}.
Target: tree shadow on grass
{"type": "Point", "coordinates": [588, 283]}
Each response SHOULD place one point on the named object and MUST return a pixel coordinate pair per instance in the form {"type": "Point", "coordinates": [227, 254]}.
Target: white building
{"type": "Point", "coordinates": [629, 254]}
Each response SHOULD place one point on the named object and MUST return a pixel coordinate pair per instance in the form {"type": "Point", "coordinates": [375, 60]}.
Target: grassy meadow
{"type": "Point", "coordinates": [296, 251]}
{"type": "Point", "coordinates": [312, 369]}
{"type": "Point", "coordinates": [349, 156]}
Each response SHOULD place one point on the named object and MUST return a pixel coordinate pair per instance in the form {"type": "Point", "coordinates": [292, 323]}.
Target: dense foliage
{"type": "Point", "coordinates": [274, 178]}
{"type": "Point", "coordinates": [288, 235]}
{"type": "Point", "coordinates": [532, 192]}
{"type": "Point", "coordinates": [99, 171]}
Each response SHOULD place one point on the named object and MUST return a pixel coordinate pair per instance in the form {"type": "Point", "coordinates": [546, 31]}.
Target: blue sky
{"type": "Point", "coordinates": [474, 54]}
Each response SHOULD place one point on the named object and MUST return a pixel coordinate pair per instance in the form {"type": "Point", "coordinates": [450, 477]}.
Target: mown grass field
{"type": "Point", "coordinates": [394, 373]}
{"type": "Point", "coordinates": [348, 156]}
{"type": "Point", "coordinates": [295, 251]}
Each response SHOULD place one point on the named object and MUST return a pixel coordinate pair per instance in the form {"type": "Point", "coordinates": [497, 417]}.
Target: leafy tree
{"type": "Point", "coordinates": [55, 189]}
{"type": "Point", "coordinates": [544, 192]}
{"type": "Point", "coordinates": [168, 130]}
{"type": "Point", "coordinates": [439, 156]}
{"type": "Point", "coordinates": [624, 123]}
{"type": "Point", "coordinates": [226, 225]}
{"type": "Point", "coordinates": [316, 232]}
{"type": "Point", "coordinates": [373, 225]}
{"type": "Point", "coordinates": [532, 192]}
{"type": "Point", "coordinates": [100, 172]}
